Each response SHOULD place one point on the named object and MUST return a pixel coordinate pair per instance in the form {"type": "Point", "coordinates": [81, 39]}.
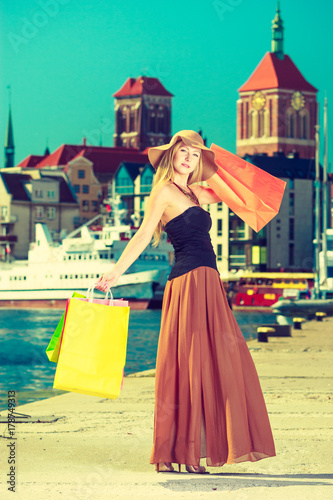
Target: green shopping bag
{"type": "Point", "coordinates": [52, 350]}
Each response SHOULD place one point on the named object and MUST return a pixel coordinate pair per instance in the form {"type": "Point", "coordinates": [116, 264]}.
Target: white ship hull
{"type": "Point", "coordinates": [52, 273]}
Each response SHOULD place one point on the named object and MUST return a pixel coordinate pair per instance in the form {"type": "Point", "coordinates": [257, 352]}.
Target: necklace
{"type": "Point", "coordinates": [189, 195]}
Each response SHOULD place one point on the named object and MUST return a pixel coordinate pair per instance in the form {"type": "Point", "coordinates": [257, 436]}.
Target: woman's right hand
{"type": "Point", "coordinates": [107, 281]}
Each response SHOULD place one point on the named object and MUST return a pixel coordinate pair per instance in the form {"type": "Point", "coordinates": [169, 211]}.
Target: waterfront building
{"type": "Point", "coordinates": [133, 183]}
{"type": "Point", "coordinates": [29, 196]}
{"type": "Point", "coordinates": [90, 170]}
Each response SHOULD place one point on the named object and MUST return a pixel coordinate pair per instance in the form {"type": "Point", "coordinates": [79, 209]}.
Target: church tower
{"type": "Point", "coordinates": [277, 106]}
{"type": "Point", "coordinates": [142, 114]}
{"type": "Point", "coordinates": [9, 142]}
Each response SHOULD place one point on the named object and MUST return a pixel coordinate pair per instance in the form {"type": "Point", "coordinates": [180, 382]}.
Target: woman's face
{"type": "Point", "coordinates": [186, 159]}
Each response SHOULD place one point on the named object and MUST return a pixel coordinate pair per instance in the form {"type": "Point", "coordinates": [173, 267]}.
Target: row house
{"type": "Point", "coordinates": [90, 170]}
{"type": "Point", "coordinates": [31, 196]}
{"type": "Point", "coordinates": [133, 183]}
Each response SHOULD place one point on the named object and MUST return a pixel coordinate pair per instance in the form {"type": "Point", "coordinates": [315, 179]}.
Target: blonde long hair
{"type": "Point", "coordinates": [165, 173]}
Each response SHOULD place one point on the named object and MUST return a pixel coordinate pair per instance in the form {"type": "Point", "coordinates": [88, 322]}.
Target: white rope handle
{"type": "Point", "coordinates": [90, 293]}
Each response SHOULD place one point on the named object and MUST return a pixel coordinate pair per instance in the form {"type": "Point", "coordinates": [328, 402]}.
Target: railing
{"type": "Point", "coordinates": [10, 238]}
{"type": "Point", "coordinates": [8, 219]}
{"type": "Point", "coordinates": [237, 260]}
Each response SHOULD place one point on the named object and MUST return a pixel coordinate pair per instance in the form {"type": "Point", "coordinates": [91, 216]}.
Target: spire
{"type": "Point", "coordinates": [9, 139]}
{"type": "Point", "coordinates": [277, 33]}
{"type": "Point", "coordinates": [47, 149]}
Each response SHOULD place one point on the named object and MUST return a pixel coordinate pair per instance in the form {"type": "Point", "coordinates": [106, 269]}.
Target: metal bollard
{"type": "Point", "coordinates": [320, 316]}
{"type": "Point", "coordinates": [298, 323]}
{"type": "Point", "coordinates": [262, 333]}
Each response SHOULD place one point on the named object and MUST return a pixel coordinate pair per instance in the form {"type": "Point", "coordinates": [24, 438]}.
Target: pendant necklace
{"type": "Point", "coordinates": [189, 195]}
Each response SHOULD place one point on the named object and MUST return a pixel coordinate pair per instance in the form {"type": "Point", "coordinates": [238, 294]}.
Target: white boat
{"type": "Point", "coordinates": [53, 272]}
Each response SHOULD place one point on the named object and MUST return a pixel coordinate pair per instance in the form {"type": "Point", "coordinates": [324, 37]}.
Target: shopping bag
{"type": "Point", "coordinates": [253, 194]}
{"type": "Point", "coordinates": [52, 350]}
{"type": "Point", "coordinates": [93, 347]}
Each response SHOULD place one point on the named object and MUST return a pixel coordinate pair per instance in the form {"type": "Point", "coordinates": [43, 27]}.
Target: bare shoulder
{"type": "Point", "coordinates": [161, 191]}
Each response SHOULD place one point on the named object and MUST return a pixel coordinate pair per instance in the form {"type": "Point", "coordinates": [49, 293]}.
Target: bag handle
{"type": "Point", "coordinates": [90, 293]}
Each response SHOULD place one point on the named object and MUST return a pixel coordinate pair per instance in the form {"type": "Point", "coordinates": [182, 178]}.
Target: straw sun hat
{"type": "Point", "coordinates": [190, 138]}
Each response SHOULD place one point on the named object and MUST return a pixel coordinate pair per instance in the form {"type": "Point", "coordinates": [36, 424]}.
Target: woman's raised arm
{"type": "Point", "coordinates": [156, 204]}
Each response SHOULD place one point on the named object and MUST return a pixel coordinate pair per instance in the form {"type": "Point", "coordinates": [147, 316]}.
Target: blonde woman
{"type": "Point", "coordinates": [208, 400]}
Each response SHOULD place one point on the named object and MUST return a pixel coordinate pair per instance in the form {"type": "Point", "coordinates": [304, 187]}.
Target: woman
{"type": "Point", "coordinates": [208, 400]}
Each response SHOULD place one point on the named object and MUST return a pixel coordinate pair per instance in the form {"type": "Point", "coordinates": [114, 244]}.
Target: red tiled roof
{"type": "Point", "coordinates": [60, 156]}
{"type": "Point", "coordinates": [31, 161]}
{"type": "Point", "coordinates": [142, 85]}
{"type": "Point", "coordinates": [106, 160]}
{"type": "Point", "coordinates": [273, 72]}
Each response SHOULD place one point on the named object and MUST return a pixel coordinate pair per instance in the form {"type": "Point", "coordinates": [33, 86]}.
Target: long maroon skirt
{"type": "Point", "coordinates": [208, 399]}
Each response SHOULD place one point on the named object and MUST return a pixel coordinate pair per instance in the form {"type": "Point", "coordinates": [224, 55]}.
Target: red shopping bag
{"type": "Point", "coordinates": [253, 194]}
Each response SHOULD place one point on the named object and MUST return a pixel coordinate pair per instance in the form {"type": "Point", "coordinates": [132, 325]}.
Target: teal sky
{"type": "Point", "coordinates": [65, 58]}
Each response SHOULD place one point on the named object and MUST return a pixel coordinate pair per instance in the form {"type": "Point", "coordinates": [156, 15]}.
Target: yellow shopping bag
{"type": "Point", "coordinates": [93, 347]}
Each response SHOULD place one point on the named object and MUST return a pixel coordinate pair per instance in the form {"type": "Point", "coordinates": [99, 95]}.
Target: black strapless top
{"type": "Point", "coordinates": [189, 236]}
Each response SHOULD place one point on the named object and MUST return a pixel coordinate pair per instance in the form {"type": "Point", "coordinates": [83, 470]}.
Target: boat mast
{"type": "Point", "coordinates": [325, 198]}
{"type": "Point", "coordinates": [317, 209]}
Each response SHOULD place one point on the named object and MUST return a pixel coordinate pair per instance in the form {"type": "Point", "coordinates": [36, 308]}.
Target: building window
{"type": "Point", "coordinates": [51, 213]}
{"type": "Point", "coordinates": [39, 212]}
{"type": "Point", "coordinates": [291, 254]}
{"type": "Point", "coordinates": [261, 123]}
{"type": "Point", "coordinates": [38, 193]}
{"type": "Point", "coordinates": [219, 252]}
{"type": "Point", "coordinates": [291, 229]}
{"type": "Point", "coordinates": [124, 185]}
{"type": "Point", "coordinates": [4, 212]}
{"type": "Point", "coordinates": [250, 125]}
{"type": "Point", "coordinates": [237, 228]}
{"type": "Point", "coordinates": [303, 126]}
{"type": "Point", "coordinates": [220, 206]}
{"type": "Point", "coordinates": [291, 203]}
{"type": "Point", "coordinates": [77, 188]}
{"type": "Point", "coordinates": [81, 174]}
{"type": "Point", "coordinates": [291, 184]}
{"type": "Point", "coordinates": [85, 205]}
{"type": "Point", "coordinates": [270, 117]}
{"type": "Point", "coordinates": [132, 120]}
{"type": "Point", "coordinates": [237, 256]}
{"type": "Point", "coordinates": [94, 206]}
{"type": "Point", "coordinates": [147, 182]}
{"type": "Point", "coordinates": [291, 124]}
{"type": "Point", "coordinates": [241, 120]}
{"type": "Point", "coordinates": [219, 227]}
{"type": "Point", "coordinates": [51, 194]}
{"type": "Point", "coordinates": [85, 188]}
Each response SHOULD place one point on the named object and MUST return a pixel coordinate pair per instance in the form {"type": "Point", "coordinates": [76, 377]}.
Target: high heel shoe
{"type": "Point", "coordinates": [192, 469]}
{"type": "Point", "coordinates": [163, 467]}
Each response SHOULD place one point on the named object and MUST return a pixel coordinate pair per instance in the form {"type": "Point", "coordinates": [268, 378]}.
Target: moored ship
{"type": "Point", "coordinates": [53, 272]}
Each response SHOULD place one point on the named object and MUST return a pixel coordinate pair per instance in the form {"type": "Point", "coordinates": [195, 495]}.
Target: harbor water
{"type": "Point", "coordinates": [25, 334]}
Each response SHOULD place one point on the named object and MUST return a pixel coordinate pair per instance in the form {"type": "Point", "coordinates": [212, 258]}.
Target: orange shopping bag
{"type": "Point", "coordinates": [93, 347]}
{"type": "Point", "coordinates": [253, 194]}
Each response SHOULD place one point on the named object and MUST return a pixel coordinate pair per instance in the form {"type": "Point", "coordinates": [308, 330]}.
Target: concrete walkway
{"type": "Point", "coordinates": [81, 447]}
